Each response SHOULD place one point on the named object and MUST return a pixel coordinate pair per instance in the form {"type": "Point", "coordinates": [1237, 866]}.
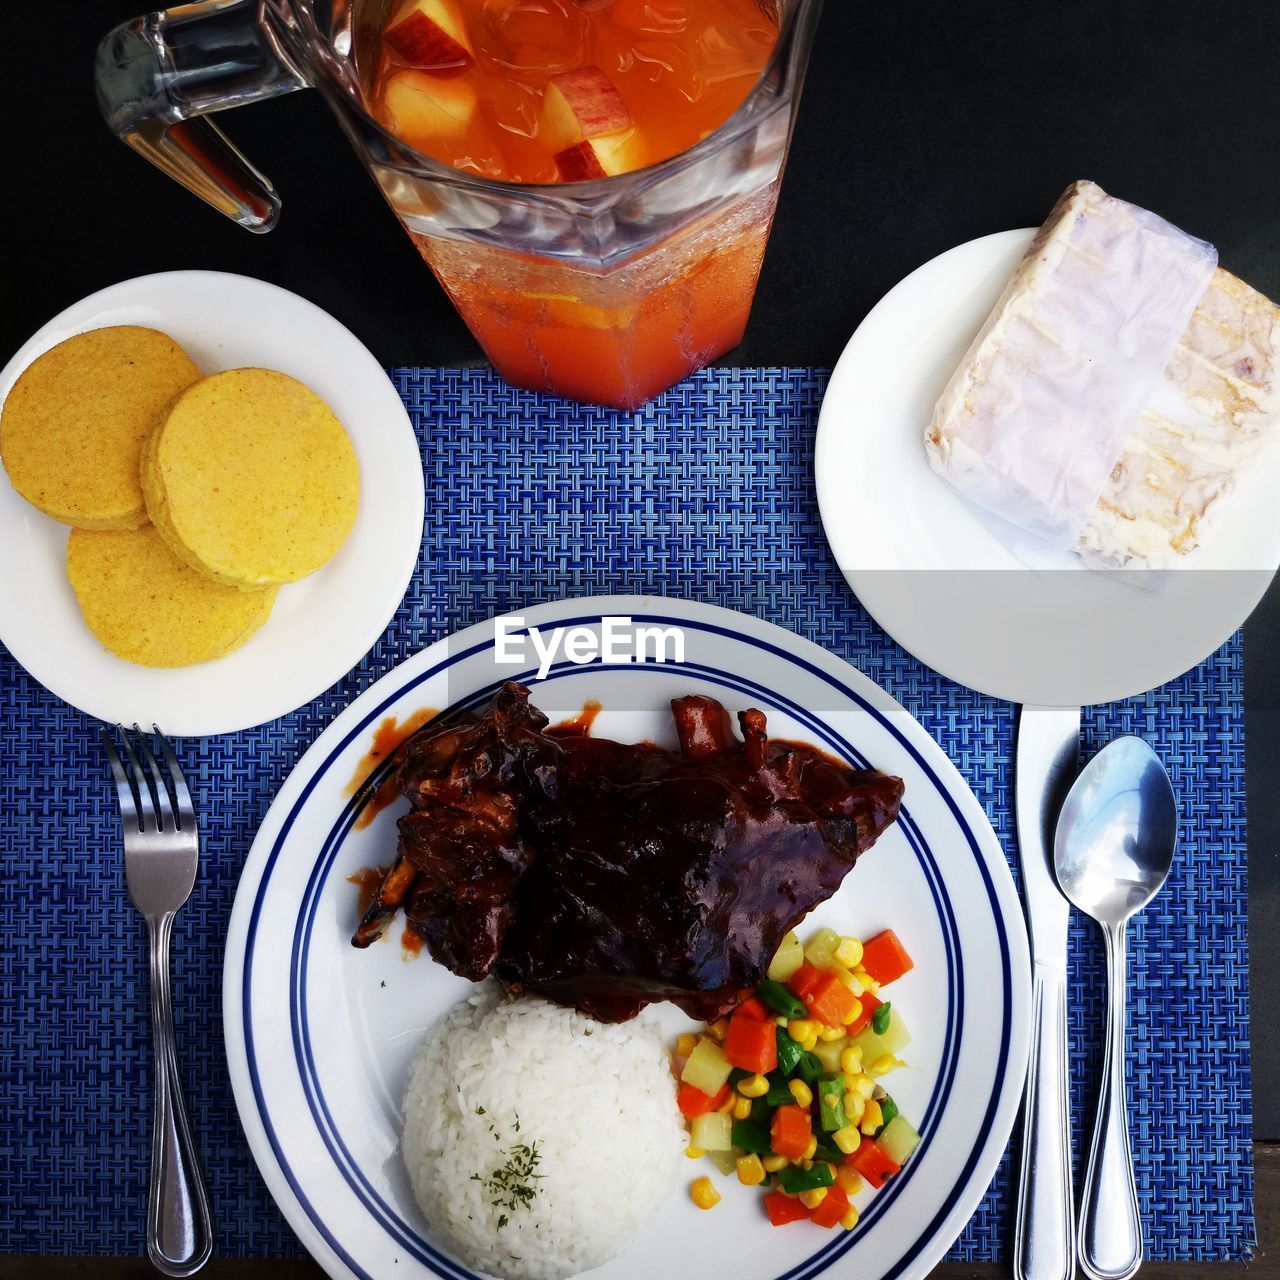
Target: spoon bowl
{"type": "Point", "coordinates": [1112, 851]}
{"type": "Point", "coordinates": [1117, 832]}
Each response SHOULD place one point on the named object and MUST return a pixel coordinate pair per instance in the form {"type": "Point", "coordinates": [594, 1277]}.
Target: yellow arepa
{"type": "Point", "coordinates": [251, 478]}
{"type": "Point", "coordinates": [74, 425]}
{"type": "Point", "coordinates": [145, 605]}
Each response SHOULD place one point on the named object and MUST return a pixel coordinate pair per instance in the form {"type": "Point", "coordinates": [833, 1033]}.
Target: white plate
{"type": "Point", "coordinates": [320, 627]}
{"type": "Point", "coordinates": [941, 583]}
{"type": "Point", "coordinates": [319, 1035]}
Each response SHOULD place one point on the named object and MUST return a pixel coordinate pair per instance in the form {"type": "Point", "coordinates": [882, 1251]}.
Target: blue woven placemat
{"type": "Point", "coordinates": [706, 494]}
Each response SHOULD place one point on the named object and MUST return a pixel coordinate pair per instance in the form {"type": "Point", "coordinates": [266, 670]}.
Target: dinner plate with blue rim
{"type": "Point", "coordinates": [320, 1035]}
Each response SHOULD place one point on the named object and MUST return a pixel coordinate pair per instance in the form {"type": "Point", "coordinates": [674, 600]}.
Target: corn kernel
{"type": "Point", "coordinates": [847, 1139]}
{"type": "Point", "coordinates": [694, 1153]}
{"type": "Point", "coordinates": [686, 1044]}
{"type": "Point", "coordinates": [718, 1029]}
{"type": "Point", "coordinates": [849, 1180]}
{"type": "Point", "coordinates": [801, 1093]}
{"type": "Point", "coordinates": [779, 1021]}
{"type": "Point", "coordinates": [868, 982]}
{"type": "Point", "coordinates": [863, 1085]}
{"type": "Point", "coordinates": [773, 1164]}
{"type": "Point", "coordinates": [704, 1194]}
{"type": "Point", "coordinates": [753, 1086]}
{"type": "Point", "coordinates": [851, 1060]}
{"type": "Point", "coordinates": [854, 1014]}
{"type": "Point", "coordinates": [805, 1164]}
{"type": "Point", "coordinates": [850, 1219]}
{"type": "Point", "coordinates": [741, 1108]}
{"type": "Point", "coordinates": [812, 1199]}
{"type": "Point", "coordinates": [800, 1029]}
{"type": "Point", "coordinates": [872, 1118]}
{"type": "Point", "coordinates": [831, 1033]}
{"type": "Point", "coordinates": [854, 1107]}
{"type": "Point", "coordinates": [849, 952]}
{"type": "Point", "coordinates": [750, 1170]}
{"type": "Point", "coordinates": [882, 1065]}
{"type": "Point", "coordinates": [811, 1147]}
{"type": "Point", "coordinates": [726, 1107]}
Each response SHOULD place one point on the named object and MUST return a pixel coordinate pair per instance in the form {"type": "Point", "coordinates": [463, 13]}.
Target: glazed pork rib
{"type": "Point", "coordinates": [608, 875]}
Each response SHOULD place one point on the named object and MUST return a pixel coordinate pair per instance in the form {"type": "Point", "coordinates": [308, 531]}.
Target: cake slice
{"type": "Point", "coordinates": [1116, 393]}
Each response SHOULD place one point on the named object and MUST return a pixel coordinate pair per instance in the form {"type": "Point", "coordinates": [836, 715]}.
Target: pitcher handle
{"type": "Point", "coordinates": [158, 75]}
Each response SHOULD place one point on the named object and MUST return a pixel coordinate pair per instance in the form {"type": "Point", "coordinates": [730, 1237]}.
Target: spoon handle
{"type": "Point", "coordinates": [1110, 1244]}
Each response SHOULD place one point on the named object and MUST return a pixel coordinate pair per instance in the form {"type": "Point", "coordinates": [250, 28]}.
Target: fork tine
{"type": "Point", "coordinates": [164, 802]}
{"type": "Point", "coordinates": [124, 790]}
{"type": "Point", "coordinates": [182, 793]}
{"type": "Point", "coordinates": [146, 803]}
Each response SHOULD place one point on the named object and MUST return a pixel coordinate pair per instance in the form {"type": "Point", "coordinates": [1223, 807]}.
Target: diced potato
{"type": "Point", "coordinates": [707, 1069]}
{"type": "Point", "coordinates": [712, 1132]}
{"type": "Point", "coordinates": [898, 1140]}
{"type": "Point", "coordinates": [828, 1053]}
{"type": "Point", "coordinates": [896, 1037]}
{"type": "Point", "coordinates": [821, 949]}
{"type": "Point", "coordinates": [725, 1161]}
{"type": "Point", "coordinates": [789, 957]}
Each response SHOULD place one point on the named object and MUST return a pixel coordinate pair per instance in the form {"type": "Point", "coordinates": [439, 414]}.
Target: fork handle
{"type": "Point", "coordinates": [179, 1224]}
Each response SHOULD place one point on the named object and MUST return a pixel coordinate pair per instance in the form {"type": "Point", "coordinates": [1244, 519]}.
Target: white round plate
{"type": "Point", "coordinates": [942, 583]}
{"type": "Point", "coordinates": [320, 627]}
{"type": "Point", "coordinates": [320, 1035]}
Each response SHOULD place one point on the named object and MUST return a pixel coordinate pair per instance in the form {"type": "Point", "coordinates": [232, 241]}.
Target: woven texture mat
{"type": "Point", "coordinates": [707, 494]}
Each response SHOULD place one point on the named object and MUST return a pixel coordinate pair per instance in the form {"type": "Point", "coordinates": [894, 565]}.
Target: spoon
{"type": "Point", "coordinates": [1112, 852]}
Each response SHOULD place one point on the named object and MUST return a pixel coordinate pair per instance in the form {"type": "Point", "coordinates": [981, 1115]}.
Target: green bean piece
{"type": "Point", "coordinates": [789, 1052]}
{"type": "Point", "coordinates": [809, 1068]}
{"type": "Point", "coordinates": [831, 1112]}
{"type": "Point", "coordinates": [778, 998]}
{"type": "Point", "coordinates": [888, 1109]}
{"type": "Point", "coordinates": [751, 1136]}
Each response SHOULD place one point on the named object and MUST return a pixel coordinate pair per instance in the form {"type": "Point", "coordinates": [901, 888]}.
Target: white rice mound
{"type": "Point", "coordinates": [595, 1102]}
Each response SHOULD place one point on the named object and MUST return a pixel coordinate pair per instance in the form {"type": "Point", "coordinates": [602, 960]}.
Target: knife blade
{"type": "Point", "coordinates": [1047, 760]}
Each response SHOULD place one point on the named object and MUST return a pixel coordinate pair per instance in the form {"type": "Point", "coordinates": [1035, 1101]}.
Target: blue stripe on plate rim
{"type": "Point", "coordinates": [817, 1262]}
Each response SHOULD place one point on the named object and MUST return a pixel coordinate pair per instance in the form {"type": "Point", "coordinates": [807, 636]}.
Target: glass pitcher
{"type": "Point", "coordinates": [606, 291]}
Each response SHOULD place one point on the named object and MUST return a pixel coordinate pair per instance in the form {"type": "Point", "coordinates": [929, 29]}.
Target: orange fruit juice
{"type": "Point", "coordinates": [563, 91]}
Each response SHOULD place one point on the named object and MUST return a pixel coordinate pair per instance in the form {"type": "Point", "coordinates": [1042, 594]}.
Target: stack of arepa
{"type": "Point", "coordinates": [191, 499]}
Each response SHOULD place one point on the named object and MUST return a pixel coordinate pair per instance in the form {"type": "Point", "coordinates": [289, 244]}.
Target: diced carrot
{"type": "Point", "coordinates": [871, 1162]}
{"type": "Point", "coordinates": [753, 1007]}
{"type": "Point", "coordinates": [869, 1005]}
{"type": "Point", "coordinates": [885, 958]}
{"type": "Point", "coordinates": [831, 1001]}
{"type": "Point", "coordinates": [835, 1204]}
{"type": "Point", "coordinates": [693, 1102]}
{"type": "Point", "coordinates": [790, 1132]}
{"type": "Point", "coordinates": [803, 981]}
{"type": "Point", "coordinates": [784, 1209]}
{"type": "Point", "coordinates": [751, 1044]}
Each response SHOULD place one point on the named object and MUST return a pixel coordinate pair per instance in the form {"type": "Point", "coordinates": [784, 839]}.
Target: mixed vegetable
{"type": "Point", "coordinates": [785, 1092]}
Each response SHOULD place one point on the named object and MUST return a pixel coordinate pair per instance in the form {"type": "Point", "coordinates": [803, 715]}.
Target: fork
{"type": "Point", "coordinates": [161, 853]}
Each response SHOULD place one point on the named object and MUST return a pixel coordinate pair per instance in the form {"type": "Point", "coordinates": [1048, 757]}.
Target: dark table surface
{"type": "Point", "coordinates": [923, 125]}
